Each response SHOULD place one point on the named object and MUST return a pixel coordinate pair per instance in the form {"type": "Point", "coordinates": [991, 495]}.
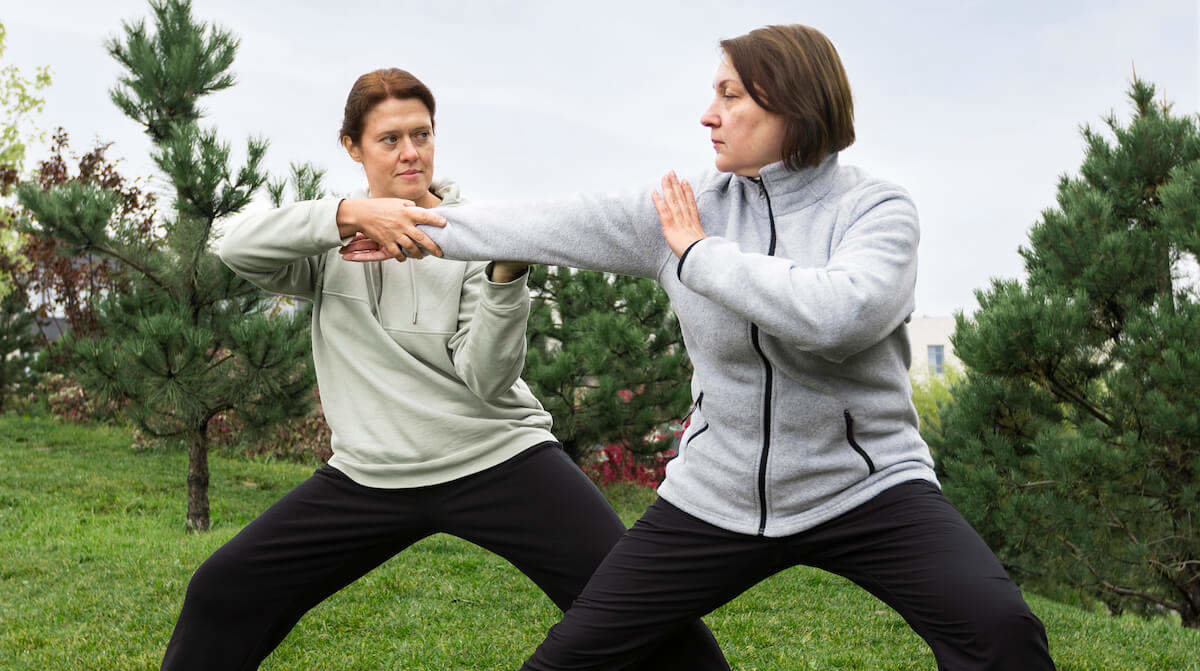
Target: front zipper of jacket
{"type": "Point", "coordinates": [768, 384]}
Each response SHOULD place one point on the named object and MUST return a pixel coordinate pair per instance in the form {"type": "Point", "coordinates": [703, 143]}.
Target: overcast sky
{"type": "Point", "coordinates": [974, 107]}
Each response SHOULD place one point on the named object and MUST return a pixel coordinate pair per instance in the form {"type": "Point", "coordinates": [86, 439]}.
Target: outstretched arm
{"type": "Point", "coordinates": [614, 233]}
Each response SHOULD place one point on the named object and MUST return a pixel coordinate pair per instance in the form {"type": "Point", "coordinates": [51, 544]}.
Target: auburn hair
{"type": "Point", "coordinates": [794, 71]}
{"type": "Point", "coordinates": [373, 88]}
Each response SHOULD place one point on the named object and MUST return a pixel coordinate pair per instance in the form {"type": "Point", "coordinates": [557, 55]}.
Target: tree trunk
{"type": "Point", "coordinates": [197, 513]}
{"type": "Point", "coordinates": [1189, 615]}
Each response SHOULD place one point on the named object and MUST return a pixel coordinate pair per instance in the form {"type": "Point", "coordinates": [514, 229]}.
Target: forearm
{"type": "Point", "coordinates": [275, 249]}
{"type": "Point", "coordinates": [595, 232]}
{"type": "Point", "coordinates": [489, 349]}
{"type": "Point", "coordinates": [858, 297]}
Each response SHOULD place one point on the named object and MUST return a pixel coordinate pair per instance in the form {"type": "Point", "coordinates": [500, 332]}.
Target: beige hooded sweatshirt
{"type": "Point", "coordinates": [418, 362]}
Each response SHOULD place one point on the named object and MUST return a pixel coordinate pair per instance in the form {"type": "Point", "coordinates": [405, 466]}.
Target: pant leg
{"type": "Point", "coordinates": [663, 574]}
{"type": "Point", "coordinates": [320, 537]}
{"type": "Point", "coordinates": [913, 550]}
{"type": "Point", "coordinates": [542, 514]}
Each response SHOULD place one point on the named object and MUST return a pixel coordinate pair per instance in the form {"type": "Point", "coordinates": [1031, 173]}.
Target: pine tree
{"type": "Point", "coordinates": [189, 339]}
{"type": "Point", "coordinates": [17, 342]}
{"type": "Point", "coordinates": [1073, 444]}
{"type": "Point", "coordinates": [605, 358]}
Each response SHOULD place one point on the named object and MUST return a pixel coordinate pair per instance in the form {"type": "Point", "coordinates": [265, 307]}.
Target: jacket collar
{"type": "Point", "coordinates": [446, 189]}
{"type": "Point", "coordinates": [791, 190]}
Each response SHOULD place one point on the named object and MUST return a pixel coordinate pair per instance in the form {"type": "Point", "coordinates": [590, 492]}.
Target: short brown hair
{"type": "Point", "coordinates": [795, 71]}
{"type": "Point", "coordinates": [373, 88]}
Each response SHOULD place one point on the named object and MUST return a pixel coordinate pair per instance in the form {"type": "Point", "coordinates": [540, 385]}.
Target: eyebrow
{"type": "Point", "coordinates": [724, 82]}
{"type": "Point", "coordinates": [398, 131]}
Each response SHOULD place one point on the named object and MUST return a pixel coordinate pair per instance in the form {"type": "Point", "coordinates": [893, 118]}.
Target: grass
{"type": "Point", "coordinates": [94, 561]}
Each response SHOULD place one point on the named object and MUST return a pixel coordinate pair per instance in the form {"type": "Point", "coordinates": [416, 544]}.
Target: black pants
{"type": "Point", "coordinates": [908, 546]}
{"type": "Point", "coordinates": [537, 510]}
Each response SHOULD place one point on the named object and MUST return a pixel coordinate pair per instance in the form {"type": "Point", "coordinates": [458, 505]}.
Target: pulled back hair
{"type": "Point", "coordinates": [373, 88]}
{"type": "Point", "coordinates": [794, 71]}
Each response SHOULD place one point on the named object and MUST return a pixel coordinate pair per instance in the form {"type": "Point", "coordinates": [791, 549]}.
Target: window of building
{"type": "Point", "coordinates": [937, 354]}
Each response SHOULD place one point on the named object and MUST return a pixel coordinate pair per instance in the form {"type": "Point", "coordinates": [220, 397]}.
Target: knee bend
{"type": "Point", "coordinates": [213, 587]}
{"type": "Point", "coordinates": [1010, 622]}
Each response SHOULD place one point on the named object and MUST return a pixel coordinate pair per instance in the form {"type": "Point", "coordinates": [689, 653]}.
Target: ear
{"type": "Point", "coordinates": [352, 149]}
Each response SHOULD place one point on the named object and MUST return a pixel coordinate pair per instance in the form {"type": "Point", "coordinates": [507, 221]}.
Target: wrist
{"type": "Point", "coordinates": [501, 272]}
{"type": "Point", "coordinates": [347, 218]}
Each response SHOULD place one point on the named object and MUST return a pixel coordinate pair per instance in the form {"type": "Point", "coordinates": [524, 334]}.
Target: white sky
{"type": "Point", "coordinates": [974, 107]}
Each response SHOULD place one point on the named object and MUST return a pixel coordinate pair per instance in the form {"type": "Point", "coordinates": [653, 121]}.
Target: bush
{"type": "Point", "coordinates": [615, 462]}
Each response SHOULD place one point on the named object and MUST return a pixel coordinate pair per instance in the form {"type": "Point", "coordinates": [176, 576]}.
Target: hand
{"type": "Point", "coordinates": [507, 271]}
{"type": "Point", "coordinates": [678, 214]}
{"type": "Point", "coordinates": [390, 224]}
{"type": "Point", "coordinates": [362, 249]}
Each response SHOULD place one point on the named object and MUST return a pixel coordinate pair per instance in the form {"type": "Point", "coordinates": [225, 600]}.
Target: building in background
{"type": "Point", "coordinates": [929, 338]}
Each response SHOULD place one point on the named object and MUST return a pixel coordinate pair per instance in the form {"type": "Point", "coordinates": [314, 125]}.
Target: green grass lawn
{"type": "Point", "coordinates": [94, 561]}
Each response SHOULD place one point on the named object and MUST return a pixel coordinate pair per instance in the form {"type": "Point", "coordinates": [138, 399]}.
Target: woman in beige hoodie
{"type": "Point", "coordinates": [433, 430]}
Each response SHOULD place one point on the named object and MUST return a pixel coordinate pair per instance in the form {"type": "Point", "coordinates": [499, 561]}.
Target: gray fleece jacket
{"type": "Point", "coordinates": [419, 362]}
{"type": "Point", "coordinates": [793, 311]}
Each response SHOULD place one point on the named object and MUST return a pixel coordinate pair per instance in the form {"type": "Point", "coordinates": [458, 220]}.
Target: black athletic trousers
{"type": "Point", "coordinates": [537, 510]}
{"type": "Point", "coordinates": [908, 546]}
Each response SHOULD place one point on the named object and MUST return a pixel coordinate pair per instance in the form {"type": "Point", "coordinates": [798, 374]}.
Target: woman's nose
{"type": "Point", "coordinates": [710, 118]}
{"type": "Point", "coordinates": [408, 152]}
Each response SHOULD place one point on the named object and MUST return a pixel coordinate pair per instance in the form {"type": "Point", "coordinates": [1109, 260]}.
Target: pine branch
{"type": "Point", "coordinates": [1063, 392]}
{"type": "Point", "coordinates": [131, 263]}
{"type": "Point", "coordinates": [1115, 589]}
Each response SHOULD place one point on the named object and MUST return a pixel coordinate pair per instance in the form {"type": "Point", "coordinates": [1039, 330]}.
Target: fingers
{"type": "Point", "coordinates": [408, 248]}
{"type": "Point", "coordinates": [422, 216]}
{"type": "Point", "coordinates": [664, 214]}
{"type": "Point", "coordinates": [360, 244]}
{"type": "Point", "coordinates": [364, 257]}
{"type": "Point", "coordinates": [690, 199]}
{"type": "Point", "coordinates": [673, 197]}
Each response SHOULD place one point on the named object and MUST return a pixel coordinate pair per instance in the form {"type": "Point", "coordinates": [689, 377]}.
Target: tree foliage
{"type": "Point", "coordinates": [1073, 444]}
{"type": "Point", "coordinates": [187, 339]}
{"type": "Point", "coordinates": [20, 96]}
{"type": "Point", "coordinates": [606, 359]}
{"type": "Point", "coordinates": [61, 281]}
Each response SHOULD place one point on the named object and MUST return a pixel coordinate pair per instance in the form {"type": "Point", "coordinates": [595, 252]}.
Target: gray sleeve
{"type": "Point", "coordinates": [488, 349]}
{"type": "Point", "coordinates": [859, 297]}
{"type": "Point", "coordinates": [617, 233]}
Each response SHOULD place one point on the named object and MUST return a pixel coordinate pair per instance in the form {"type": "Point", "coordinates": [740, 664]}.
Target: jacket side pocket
{"type": "Point", "coordinates": [854, 443]}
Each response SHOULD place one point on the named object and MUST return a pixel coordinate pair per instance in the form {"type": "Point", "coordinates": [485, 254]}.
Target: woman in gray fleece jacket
{"type": "Point", "coordinates": [792, 277]}
{"type": "Point", "coordinates": [433, 430]}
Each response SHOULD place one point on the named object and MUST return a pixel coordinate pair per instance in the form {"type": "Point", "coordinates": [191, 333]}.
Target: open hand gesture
{"type": "Point", "coordinates": [678, 214]}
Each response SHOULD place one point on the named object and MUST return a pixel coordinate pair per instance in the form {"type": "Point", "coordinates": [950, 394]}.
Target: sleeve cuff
{"type": "Point", "coordinates": [323, 222]}
{"type": "Point", "coordinates": [683, 257]}
{"type": "Point", "coordinates": [506, 295]}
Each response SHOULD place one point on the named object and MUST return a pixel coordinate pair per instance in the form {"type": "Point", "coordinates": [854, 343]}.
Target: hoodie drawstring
{"type": "Point", "coordinates": [412, 282]}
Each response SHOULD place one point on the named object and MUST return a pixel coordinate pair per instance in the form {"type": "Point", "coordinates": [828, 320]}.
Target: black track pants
{"type": "Point", "coordinates": [537, 510]}
{"type": "Point", "coordinates": [908, 546]}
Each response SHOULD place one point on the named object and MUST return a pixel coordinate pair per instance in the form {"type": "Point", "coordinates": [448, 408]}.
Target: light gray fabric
{"type": "Point", "coordinates": [418, 362]}
{"type": "Point", "coordinates": [830, 306]}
